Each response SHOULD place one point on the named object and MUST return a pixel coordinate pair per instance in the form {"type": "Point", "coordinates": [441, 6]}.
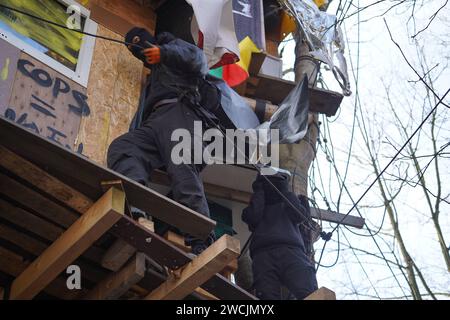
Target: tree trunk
{"type": "Point", "coordinates": [297, 158]}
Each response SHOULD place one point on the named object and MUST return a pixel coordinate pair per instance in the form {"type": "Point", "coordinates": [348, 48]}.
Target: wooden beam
{"type": "Point", "coordinates": [230, 269]}
{"type": "Point", "coordinates": [205, 294]}
{"type": "Point", "coordinates": [21, 240]}
{"type": "Point", "coordinates": [40, 227]}
{"type": "Point", "coordinates": [161, 178]}
{"type": "Point", "coordinates": [322, 294]}
{"type": "Point", "coordinates": [117, 255]}
{"type": "Point", "coordinates": [199, 270]}
{"type": "Point", "coordinates": [120, 251]}
{"type": "Point", "coordinates": [34, 247]}
{"type": "Point", "coordinates": [13, 264]}
{"type": "Point", "coordinates": [29, 221]}
{"type": "Point", "coordinates": [166, 254]}
{"type": "Point", "coordinates": [276, 90]}
{"type": "Point", "coordinates": [10, 262]}
{"type": "Point", "coordinates": [154, 279]}
{"type": "Point", "coordinates": [217, 287]}
{"type": "Point", "coordinates": [32, 199]}
{"type": "Point", "coordinates": [117, 284]}
{"type": "Point", "coordinates": [80, 236]}
{"type": "Point", "coordinates": [335, 217]}
{"type": "Point", "coordinates": [177, 240]}
{"type": "Point", "coordinates": [43, 181]}
{"type": "Point", "coordinates": [147, 224]}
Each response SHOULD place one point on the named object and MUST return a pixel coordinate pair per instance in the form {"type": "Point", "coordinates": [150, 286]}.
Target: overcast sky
{"type": "Point", "coordinates": [382, 65]}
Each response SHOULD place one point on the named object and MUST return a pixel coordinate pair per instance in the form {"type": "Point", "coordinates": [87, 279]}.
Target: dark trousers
{"type": "Point", "coordinates": [283, 266]}
{"type": "Point", "coordinates": [138, 152]}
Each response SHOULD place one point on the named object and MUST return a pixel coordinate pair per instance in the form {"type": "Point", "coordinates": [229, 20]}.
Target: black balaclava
{"type": "Point", "coordinates": [140, 37]}
{"type": "Point", "coordinates": [280, 181]}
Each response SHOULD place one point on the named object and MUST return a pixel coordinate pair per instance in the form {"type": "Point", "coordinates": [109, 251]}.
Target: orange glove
{"type": "Point", "coordinates": [153, 55]}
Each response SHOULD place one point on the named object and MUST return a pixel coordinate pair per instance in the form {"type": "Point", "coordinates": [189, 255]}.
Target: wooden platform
{"type": "Point", "coordinates": [275, 90]}
{"type": "Point", "coordinates": [86, 177]}
{"type": "Point", "coordinates": [55, 213]}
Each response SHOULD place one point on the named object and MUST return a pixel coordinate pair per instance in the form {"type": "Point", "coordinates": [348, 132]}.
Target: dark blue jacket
{"type": "Point", "coordinates": [271, 220]}
{"type": "Point", "coordinates": [181, 69]}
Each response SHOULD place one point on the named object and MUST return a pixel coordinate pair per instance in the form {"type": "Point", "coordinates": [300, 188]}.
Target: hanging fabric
{"type": "Point", "coordinates": [323, 35]}
{"type": "Point", "coordinates": [213, 31]}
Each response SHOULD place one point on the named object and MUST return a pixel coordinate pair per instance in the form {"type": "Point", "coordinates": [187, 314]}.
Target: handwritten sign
{"type": "Point", "coordinates": [46, 102]}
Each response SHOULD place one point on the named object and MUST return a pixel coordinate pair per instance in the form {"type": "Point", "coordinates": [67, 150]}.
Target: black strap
{"type": "Point", "coordinates": [260, 110]}
{"type": "Point", "coordinates": [163, 102]}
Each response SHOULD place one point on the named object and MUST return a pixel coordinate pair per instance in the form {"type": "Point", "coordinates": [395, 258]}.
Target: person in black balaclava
{"type": "Point", "coordinates": [170, 101]}
{"type": "Point", "coordinates": [277, 247]}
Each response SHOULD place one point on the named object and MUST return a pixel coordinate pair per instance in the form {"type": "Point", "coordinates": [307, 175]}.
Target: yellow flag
{"type": "Point", "coordinates": [246, 47]}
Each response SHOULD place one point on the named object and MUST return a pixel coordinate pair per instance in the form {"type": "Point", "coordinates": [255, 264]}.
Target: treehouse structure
{"type": "Point", "coordinates": [64, 97]}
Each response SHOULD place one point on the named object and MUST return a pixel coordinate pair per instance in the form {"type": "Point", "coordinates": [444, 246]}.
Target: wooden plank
{"type": "Point", "coordinates": [147, 224]}
{"type": "Point", "coordinates": [22, 240]}
{"type": "Point", "coordinates": [161, 178]}
{"type": "Point", "coordinates": [120, 251]}
{"type": "Point", "coordinates": [168, 255]}
{"type": "Point", "coordinates": [224, 289]}
{"type": "Point", "coordinates": [29, 221]}
{"type": "Point", "coordinates": [272, 47]}
{"type": "Point", "coordinates": [153, 279]}
{"type": "Point", "coordinates": [117, 284]}
{"type": "Point", "coordinates": [43, 181]}
{"type": "Point", "coordinates": [218, 284]}
{"type": "Point", "coordinates": [177, 240]}
{"type": "Point", "coordinates": [36, 247]}
{"type": "Point", "coordinates": [336, 217]}
{"type": "Point", "coordinates": [322, 294]}
{"type": "Point", "coordinates": [13, 265]}
{"type": "Point", "coordinates": [59, 163]}
{"type": "Point", "coordinates": [36, 202]}
{"type": "Point", "coordinates": [149, 243]}
{"type": "Point", "coordinates": [199, 270]}
{"type": "Point", "coordinates": [117, 255]}
{"type": "Point", "coordinates": [205, 294]}
{"type": "Point", "coordinates": [85, 231]}
{"type": "Point", "coordinates": [230, 269]}
{"type": "Point", "coordinates": [276, 90]}
{"type": "Point", "coordinates": [40, 227]}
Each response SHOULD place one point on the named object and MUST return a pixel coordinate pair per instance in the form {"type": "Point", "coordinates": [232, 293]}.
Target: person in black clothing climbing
{"type": "Point", "coordinates": [277, 247]}
{"type": "Point", "coordinates": [170, 101]}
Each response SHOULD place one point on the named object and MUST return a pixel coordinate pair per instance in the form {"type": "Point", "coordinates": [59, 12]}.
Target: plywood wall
{"type": "Point", "coordinates": [113, 89]}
